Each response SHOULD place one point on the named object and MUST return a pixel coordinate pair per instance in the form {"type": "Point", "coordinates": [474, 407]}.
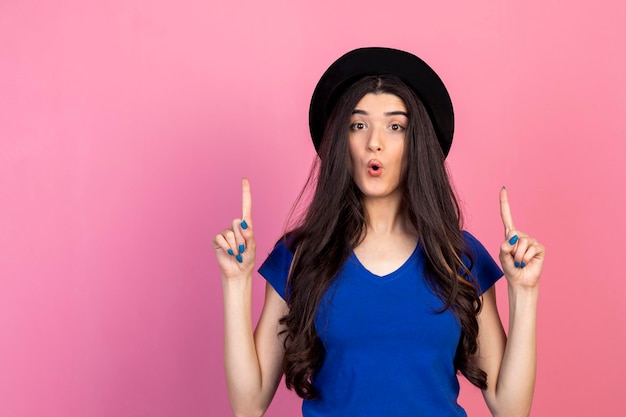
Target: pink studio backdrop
{"type": "Point", "coordinates": [125, 127]}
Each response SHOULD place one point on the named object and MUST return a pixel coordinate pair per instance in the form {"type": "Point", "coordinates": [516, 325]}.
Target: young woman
{"type": "Point", "coordinates": [377, 298]}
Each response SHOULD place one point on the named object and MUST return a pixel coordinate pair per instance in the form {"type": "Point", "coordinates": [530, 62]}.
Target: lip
{"type": "Point", "coordinates": [375, 168]}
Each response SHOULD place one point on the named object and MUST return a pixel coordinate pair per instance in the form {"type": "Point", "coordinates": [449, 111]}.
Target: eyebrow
{"type": "Point", "coordinates": [391, 113]}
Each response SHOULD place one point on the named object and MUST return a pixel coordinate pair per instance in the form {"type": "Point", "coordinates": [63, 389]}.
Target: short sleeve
{"type": "Point", "coordinates": [484, 269]}
{"type": "Point", "coordinates": [275, 268]}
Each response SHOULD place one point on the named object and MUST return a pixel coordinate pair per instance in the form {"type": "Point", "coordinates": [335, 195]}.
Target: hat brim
{"type": "Point", "coordinates": [362, 62]}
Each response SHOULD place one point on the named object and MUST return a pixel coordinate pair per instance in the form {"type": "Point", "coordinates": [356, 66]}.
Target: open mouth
{"type": "Point", "coordinates": [374, 168]}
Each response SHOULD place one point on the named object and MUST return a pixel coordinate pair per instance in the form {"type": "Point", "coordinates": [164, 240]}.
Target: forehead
{"type": "Point", "coordinates": [380, 102]}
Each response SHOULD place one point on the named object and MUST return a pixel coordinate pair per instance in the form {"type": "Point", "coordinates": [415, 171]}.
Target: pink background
{"type": "Point", "coordinates": [126, 125]}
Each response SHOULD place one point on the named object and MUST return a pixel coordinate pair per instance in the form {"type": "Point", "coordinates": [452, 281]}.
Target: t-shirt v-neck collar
{"type": "Point", "coordinates": [387, 277]}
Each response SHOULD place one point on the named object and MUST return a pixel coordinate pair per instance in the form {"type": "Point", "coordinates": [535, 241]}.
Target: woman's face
{"type": "Point", "coordinates": [376, 140]}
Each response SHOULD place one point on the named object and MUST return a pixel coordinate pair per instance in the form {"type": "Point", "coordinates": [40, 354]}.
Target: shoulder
{"type": "Point", "coordinates": [475, 249]}
{"type": "Point", "coordinates": [471, 241]}
{"type": "Point", "coordinates": [482, 266]}
{"type": "Point", "coordinates": [275, 268]}
{"type": "Point", "coordinates": [280, 256]}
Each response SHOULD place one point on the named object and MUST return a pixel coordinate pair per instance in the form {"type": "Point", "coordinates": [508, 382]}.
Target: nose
{"type": "Point", "coordinates": [375, 141]}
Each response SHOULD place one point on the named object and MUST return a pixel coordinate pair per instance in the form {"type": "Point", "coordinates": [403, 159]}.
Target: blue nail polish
{"type": "Point", "coordinates": [241, 248]}
{"type": "Point", "coordinates": [230, 252]}
{"type": "Point", "coordinates": [513, 240]}
{"type": "Point", "coordinates": [522, 265]}
{"type": "Point", "coordinates": [517, 264]}
{"type": "Point", "coordinates": [244, 225]}
{"type": "Point", "coordinates": [239, 258]}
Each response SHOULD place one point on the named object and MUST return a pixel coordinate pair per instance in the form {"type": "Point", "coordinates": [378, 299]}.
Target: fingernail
{"type": "Point", "coordinates": [522, 265]}
{"type": "Point", "coordinates": [517, 264]}
{"type": "Point", "coordinates": [239, 258]}
{"type": "Point", "coordinates": [244, 225]}
{"type": "Point", "coordinates": [241, 248]}
{"type": "Point", "coordinates": [230, 252]}
{"type": "Point", "coordinates": [513, 240]}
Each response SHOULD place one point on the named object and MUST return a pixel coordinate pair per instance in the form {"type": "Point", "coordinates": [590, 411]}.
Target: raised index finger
{"type": "Point", "coordinates": [505, 211]}
{"type": "Point", "coordinates": [246, 201]}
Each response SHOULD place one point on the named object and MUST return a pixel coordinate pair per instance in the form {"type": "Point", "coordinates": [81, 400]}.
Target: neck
{"type": "Point", "coordinates": [384, 216]}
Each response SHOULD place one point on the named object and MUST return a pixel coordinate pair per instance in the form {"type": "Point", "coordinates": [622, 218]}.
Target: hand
{"type": "Point", "coordinates": [521, 256]}
{"type": "Point", "coordinates": [235, 247]}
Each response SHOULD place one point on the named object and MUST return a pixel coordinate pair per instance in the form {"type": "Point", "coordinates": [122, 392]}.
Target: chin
{"type": "Point", "coordinates": [380, 194]}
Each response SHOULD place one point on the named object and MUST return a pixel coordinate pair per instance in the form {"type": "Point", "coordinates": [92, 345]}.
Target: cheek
{"type": "Point", "coordinates": [352, 157]}
{"type": "Point", "coordinates": [402, 163]}
{"type": "Point", "coordinates": [399, 154]}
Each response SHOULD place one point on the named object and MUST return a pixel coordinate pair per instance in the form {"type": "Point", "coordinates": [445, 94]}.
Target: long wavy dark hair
{"type": "Point", "coordinates": [334, 224]}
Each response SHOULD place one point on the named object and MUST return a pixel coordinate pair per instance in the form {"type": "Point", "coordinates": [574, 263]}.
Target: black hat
{"type": "Point", "coordinates": [359, 63]}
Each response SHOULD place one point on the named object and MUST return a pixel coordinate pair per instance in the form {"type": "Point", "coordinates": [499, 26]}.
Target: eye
{"type": "Point", "coordinates": [357, 126]}
{"type": "Point", "coordinates": [396, 127]}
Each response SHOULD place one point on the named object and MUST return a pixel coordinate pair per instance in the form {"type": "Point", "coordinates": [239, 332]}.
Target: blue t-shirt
{"type": "Point", "coordinates": [388, 348]}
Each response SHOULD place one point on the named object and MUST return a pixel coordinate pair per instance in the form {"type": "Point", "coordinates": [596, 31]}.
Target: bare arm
{"type": "Point", "coordinates": [511, 364]}
{"type": "Point", "coordinates": [252, 360]}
